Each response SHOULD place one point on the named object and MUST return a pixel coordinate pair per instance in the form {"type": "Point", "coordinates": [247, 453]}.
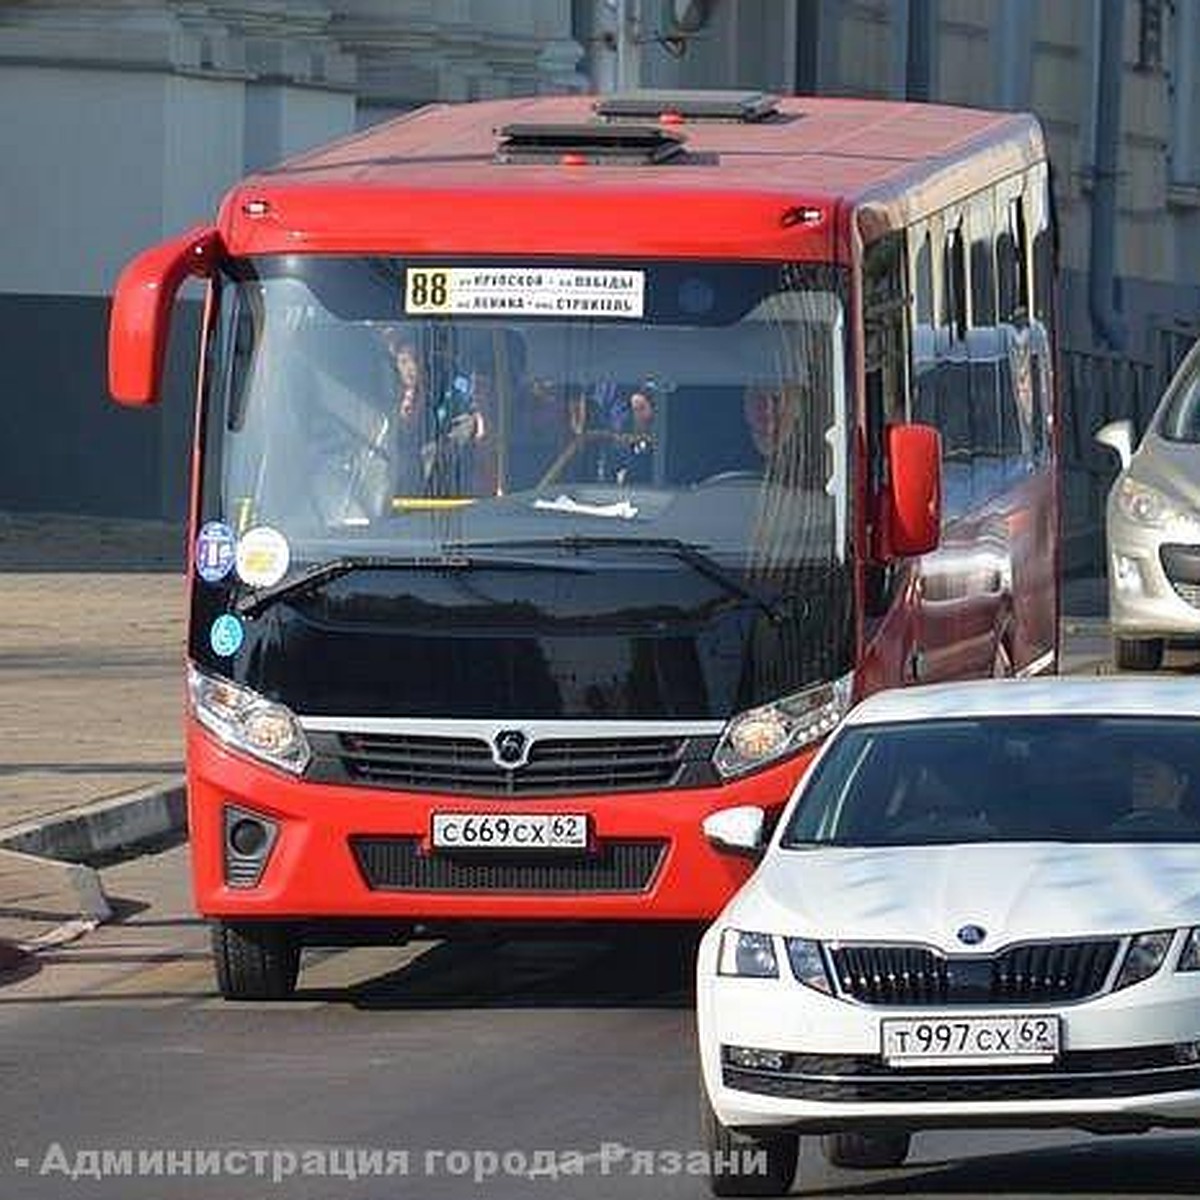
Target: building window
{"type": "Point", "coordinates": [1150, 35]}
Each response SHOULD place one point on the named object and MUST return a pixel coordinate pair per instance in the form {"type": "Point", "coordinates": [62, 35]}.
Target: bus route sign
{"type": "Point", "coordinates": [527, 291]}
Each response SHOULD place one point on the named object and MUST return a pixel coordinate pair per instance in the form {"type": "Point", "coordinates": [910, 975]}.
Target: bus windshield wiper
{"type": "Point", "coordinates": [686, 552]}
{"type": "Point", "coordinates": [319, 574]}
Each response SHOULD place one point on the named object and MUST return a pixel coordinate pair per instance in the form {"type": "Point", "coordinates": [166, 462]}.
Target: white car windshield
{"type": "Point", "coordinates": [1066, 779]}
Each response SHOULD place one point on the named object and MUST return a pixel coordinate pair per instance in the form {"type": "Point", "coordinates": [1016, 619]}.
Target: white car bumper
{"type": "Point", "coordinates": [1128, 1060]}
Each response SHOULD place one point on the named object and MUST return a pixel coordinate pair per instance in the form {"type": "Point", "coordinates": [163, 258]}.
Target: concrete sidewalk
{"type": "Point", "coordinates": [91, 704]}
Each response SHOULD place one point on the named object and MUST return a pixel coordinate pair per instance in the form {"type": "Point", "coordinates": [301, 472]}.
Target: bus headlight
{"type": "Point", "coordinates": [761, 735]}
{"type": "Point", "coordinates": [246, 721]}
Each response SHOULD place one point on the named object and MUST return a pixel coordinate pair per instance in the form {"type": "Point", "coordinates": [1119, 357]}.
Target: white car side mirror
{"type": "Point", "coordinates": [738, 829]}
{"type": "Point", "coordinates": [1118, 436]}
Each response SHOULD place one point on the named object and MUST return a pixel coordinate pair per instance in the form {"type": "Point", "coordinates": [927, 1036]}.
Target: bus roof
{"type": "Point", "coordinates": [431, 182]}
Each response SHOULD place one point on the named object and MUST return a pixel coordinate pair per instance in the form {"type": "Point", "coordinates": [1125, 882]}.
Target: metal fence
{"type": "Point", "coordinates": [1099, 386]}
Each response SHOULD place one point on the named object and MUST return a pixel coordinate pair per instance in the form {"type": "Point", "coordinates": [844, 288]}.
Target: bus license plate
{"type": "Point", "coordinates": [498, 831]}
{"type": "Point", "coordinates": [950, 1041]}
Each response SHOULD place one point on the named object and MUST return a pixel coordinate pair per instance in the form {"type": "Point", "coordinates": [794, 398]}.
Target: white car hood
{"type": "Point", "coordinates": [1013, 891]}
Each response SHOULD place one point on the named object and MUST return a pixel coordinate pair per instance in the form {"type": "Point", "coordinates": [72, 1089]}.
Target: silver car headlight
{"type": "Point", "coordinates": [1146, 505]}
{"type": "Point", "coordinates": [246, 721]}
{"type": "Point", "coordinates": [761, 735]}
{"type": "Point", "coordinates": [808, 964]}
{"type": "Point", "coordinates": [1189, 956]}
{"type": "Point", "coordinates": [750, 955]}
{"type": "Point", "coordinates": [1143, 958]}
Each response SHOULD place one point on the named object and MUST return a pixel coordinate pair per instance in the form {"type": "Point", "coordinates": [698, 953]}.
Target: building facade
{"type": "Point", "coordinates": [127, 119]}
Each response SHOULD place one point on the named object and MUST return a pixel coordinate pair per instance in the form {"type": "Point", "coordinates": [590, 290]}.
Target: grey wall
{"type": "Point", "coordinates": [64, 447]}
{"type": "Point", "coordinates": [124, 123]}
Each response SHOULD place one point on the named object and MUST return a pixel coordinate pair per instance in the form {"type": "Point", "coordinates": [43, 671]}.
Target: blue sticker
{"type": "Point", "coordinates": [226, 635]}
{"type": "Point", "coordinates": [216, 551]}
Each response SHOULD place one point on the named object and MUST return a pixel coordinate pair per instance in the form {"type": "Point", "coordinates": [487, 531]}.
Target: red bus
{"type": "Point", "coordinates": [564, 468]}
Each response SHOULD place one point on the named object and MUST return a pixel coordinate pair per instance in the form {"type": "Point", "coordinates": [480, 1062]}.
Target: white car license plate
{"type": "Point", "coordinates": [499, 831]}
{"type": "Point", "coordinates": [969, 1041]}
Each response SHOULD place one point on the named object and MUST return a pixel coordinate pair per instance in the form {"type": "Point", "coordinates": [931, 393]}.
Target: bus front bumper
{"type": "Point", "coordinates": [335, 852]}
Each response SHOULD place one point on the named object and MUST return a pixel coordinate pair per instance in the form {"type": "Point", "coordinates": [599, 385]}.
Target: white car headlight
{"type": "Point", "coordinates": [248, 722]}
{"type": "Point", "coordinates": [1144, 956]}
{"type": "Point", "coordinates": [1145, 505]}
{"type": "Point", "coordinates": [748, 954]}
{"type": "Point", "coordinates": [761, 735]}
{"type": "Point", "coordinates": [1189, 956]}
{"type": "Point", "coordinates": [808, 964]}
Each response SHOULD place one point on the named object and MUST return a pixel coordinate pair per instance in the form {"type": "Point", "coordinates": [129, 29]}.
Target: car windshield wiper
{"type": "Point", "coordinates": [684, 551]}
{"type": "Point", "coordinates": [450, 558]}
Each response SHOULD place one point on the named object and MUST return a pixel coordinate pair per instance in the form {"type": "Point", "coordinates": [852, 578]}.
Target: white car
{"type": "Point", "coordinates": [980, 907]}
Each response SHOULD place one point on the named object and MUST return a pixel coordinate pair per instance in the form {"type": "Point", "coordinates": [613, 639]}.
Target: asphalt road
{"type": "Point", "coordinates": [467, 1059]}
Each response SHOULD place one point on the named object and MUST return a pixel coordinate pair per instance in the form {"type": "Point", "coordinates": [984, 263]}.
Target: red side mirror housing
{"type": "Point", "coordinates": [140, 320]}
{"type": "Point", "coordinates": [912, 519]}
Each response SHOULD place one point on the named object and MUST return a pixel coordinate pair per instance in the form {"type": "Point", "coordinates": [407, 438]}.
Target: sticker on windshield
{"type": "Point", "coordinates": [216, 549]}
{"type": "Point", "coordinates": [226, 635]}
{"type": "Point", "coordinates": [525, 291]}
{"type": "Point", "coordinates": [262, 557]}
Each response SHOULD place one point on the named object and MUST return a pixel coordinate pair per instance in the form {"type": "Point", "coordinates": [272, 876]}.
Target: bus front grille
{"type": "Point", "coordinates": [465, 766]}
{"type": "Point", "coordinates": [398, 864]}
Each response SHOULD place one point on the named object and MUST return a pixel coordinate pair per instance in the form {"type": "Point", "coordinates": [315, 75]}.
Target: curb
{"type": "Point", "coordinates": [117, 824]}
{"type": "Point", "coordinates": [63, 843]}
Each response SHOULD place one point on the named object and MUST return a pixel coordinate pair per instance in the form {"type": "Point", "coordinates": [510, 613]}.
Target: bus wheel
{"type": "Point", "coordinates": [853, 1148]}
{"type": "Point", "coordinates": [1138, 654]}
{"type": "Point", "coordinates": [255, 962]}
{"type": "Point", "coordinates": [768, 1162]}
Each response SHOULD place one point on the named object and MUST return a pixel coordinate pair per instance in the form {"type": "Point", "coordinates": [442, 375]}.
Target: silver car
{"type": "Point", "coordinates": [1153, 526]}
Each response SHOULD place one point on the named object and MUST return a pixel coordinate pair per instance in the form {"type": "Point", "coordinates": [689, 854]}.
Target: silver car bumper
{"type": "Point", "coordinates": [1143, 599]}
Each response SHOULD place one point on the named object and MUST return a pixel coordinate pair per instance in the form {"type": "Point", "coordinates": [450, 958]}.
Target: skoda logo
{"type": "Point", "coordinates": [509, 748]}
{"type": "Point", "coordinates": [971, 935]}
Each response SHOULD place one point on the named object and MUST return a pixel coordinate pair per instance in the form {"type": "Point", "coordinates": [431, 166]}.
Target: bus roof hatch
{"type": "Point", "coordinates": [590, 142]}
{"type": "Point", "coordinates": [691, 105]}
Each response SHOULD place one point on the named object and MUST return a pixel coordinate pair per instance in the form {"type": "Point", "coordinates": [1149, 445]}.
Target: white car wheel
{"type": "Point", "coordinates": [778, 1151]}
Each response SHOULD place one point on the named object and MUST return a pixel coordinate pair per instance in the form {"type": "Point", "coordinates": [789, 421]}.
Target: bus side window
{"type": "Point", "coordinates": [885, 305]}
{"type": "Point", "coordinates": [953, 377]}
{"type": "Point", "coordinates": [988, 465]}
{"type": "Point", "coordinates": [924, 398]}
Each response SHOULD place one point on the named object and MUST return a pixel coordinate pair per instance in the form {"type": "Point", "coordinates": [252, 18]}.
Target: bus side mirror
{"type": "Point", "coordinates": [913, 502]}
{"type": "Point", "coordinates": [140, 320]}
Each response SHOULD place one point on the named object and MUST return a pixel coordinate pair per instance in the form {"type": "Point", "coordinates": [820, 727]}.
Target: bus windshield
{"type": "Point", "coordinates": [356, 407]}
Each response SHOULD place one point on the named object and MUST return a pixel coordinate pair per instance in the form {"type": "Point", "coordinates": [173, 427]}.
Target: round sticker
{"type": "Point", "coordinates": [226, 635]}
{"type": "Point", "coordinates": [216, 549]}
{"type": "Point", "coordinates": [262, 556]}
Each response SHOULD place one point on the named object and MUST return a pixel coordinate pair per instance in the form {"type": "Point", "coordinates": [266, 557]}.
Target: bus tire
{"type": "Point", "coordinates": [866, 1151]}
{"type": "Point", "coordinates": [727, 1147]}
{"type": "Point", "coordinates": [1138, 654]}
{"type": "Point", "coordinates": [255, 962]}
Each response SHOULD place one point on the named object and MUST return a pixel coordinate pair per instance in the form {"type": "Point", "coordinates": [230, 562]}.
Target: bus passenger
{"type": "Point", "coordinates": [613, 429]}
{"type": "Point", "coordinates": [437, 444]}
